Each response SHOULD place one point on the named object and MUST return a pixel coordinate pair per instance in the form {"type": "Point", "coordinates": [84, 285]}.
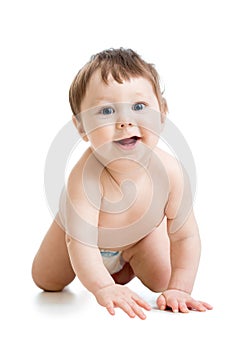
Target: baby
{"type": "Point", "coordinates": [126, 209]}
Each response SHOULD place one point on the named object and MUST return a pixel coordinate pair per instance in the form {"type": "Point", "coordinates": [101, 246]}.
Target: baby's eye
{"type": "Point", "coordinates": [107, 111]}
{"type": "Point", "coordinates": [138, 106]}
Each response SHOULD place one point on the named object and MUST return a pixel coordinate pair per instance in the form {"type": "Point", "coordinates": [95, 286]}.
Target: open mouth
{"type": "Point", "coordinates": [128, 143]}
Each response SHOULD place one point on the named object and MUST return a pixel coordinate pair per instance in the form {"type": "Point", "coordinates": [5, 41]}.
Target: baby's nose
{"type": "Point", "coordinates": [122, 125]}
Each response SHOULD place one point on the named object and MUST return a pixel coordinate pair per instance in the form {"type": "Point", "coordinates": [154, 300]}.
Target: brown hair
{"type": "Point", "coordinates": [121, 64]}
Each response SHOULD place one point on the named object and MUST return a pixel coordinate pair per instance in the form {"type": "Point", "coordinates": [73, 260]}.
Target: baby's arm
{"type": "Point", "coordinates": [88, 265]}
{"type": "Point", "coordinates": [185, 247]}
{"type": "Point", "coordinates": [185, 254]}
{"type": "Point", "coordinates": [89, 268]}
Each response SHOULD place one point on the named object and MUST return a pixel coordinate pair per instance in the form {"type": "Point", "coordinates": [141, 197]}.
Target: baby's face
{"type": "Point", "coordinates": [121, 117]}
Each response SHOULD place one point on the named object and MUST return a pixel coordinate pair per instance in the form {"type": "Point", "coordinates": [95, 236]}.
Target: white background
{"type": "Point", "coordinates": [196, 48]}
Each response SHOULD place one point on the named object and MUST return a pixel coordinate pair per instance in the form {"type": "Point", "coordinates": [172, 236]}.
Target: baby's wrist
{"type": "Point", "coordinates": [101, 288]}
{"type": "Point", "coordinates": [177, 290]}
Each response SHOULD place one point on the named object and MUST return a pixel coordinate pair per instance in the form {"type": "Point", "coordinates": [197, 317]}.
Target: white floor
{"type": "Point", "coordinates": [72, 319]}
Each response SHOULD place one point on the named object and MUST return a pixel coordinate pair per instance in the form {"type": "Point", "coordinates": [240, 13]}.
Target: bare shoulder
{"type": "Point", "coordinates": [83, 179]}
{"type": "Point", "coordinates": [78, 209]}
{"type": "Point", "coordinates": [87, 169]}
{"type": "Point", "coordinates": [171, 164]}
{"type": "Point", "coordinates": [79, 166]}
{"type": "Point", "coordinates": [180, 196]}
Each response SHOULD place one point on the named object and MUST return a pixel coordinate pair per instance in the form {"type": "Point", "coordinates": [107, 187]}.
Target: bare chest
{"type": "Point", "coordinates": [130, 211]}
{"type": "Point", "coordinates": [124, 205]}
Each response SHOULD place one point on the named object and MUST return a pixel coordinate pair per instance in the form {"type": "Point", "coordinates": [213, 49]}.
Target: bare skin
{"type": "Point", "coordinates": [52, 270]}
{"type": "Point", "coordinates": [166, 259]}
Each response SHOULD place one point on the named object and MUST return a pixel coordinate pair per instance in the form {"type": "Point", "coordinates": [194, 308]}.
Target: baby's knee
{"type": "Point", "coordinates": [46, 286]}
{"type": "Point", "coordinates": [43, 283]}
{"type": "Point", "coordinates": [157, 287]}
{"type": "Point", "coordinates": [159, 284]}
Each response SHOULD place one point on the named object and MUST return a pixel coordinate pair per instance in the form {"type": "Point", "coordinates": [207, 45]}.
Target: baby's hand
{"type": "Point", "coordinates": [180, 301]}
{"type": "Point", "coordinates": [119, 296]}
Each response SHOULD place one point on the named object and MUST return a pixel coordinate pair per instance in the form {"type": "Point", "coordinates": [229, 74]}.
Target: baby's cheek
{"type": "Point", "coordinates": [94, 122]}
{"type": "Point", "coordinates": [150, 123]}
{"type": "Point", "coordinates": [150, 138]}
{"type": "Point", "coordinates": [100, 136]}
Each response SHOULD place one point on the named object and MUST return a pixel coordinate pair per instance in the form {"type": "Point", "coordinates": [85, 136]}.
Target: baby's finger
{"type": "Point", "coordinates": [183, 307]}
{"type": "Point", "coordinates": [141, 302]}
{"type": "Point", "coordinates": [122, 304]}
{"type": "Point", "coordinates": [110, 308]}
{"type": "Point", "coordinates": [173, 303]}
{"type": "Point", "coordinates": [207, 306]}
{"type": "Point", "coordinates": [196, 305]}
{"type": "Point", "coordinates": [161, 302]}
{"type": "Point", "coordinates": [137, 310]}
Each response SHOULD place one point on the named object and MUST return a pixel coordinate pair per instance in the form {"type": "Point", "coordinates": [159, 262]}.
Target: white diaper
{"type": "Point", "coordinates": [113, 261]}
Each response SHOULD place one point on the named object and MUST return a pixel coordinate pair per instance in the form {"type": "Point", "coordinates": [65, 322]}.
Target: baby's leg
{"type": "Point", "coordinates": [150, 259]}
{"type": "Point", "coordinates": [51, 269]}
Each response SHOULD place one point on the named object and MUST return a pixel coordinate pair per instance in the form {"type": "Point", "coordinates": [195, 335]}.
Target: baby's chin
{"type": "Point", "coordinates": [123, 158]}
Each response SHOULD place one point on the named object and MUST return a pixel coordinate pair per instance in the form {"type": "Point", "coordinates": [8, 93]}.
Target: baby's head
{"type": "Point", "coordinates": [117, 105]}
{"type": "Point", "coordinates": [120, 64]}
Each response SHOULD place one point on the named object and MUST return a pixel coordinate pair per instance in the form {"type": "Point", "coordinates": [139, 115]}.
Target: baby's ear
{"type": "Point", "coordinates": [78, 124]}
{"type": "Point", "coordinates": [164, 109]}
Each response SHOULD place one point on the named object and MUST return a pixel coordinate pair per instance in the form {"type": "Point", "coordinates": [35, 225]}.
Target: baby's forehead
{"type": "Point", "coordinates": [111, 78]}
